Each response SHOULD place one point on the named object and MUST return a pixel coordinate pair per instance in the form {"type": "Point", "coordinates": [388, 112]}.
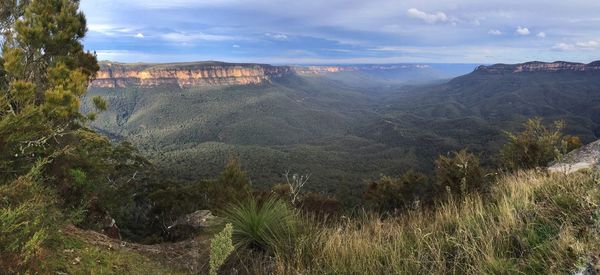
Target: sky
{"type": "Point", "coordinates": [343, 31]}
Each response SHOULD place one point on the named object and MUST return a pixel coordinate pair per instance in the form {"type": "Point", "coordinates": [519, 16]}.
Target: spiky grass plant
{"type": "Point", "coordinates": [270, 226]}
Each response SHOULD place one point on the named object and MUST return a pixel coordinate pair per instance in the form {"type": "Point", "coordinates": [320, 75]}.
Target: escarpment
{"type": "Point", "coordinates": [537, 66]}
{"type": "Point", "coordinates": [118, 75]}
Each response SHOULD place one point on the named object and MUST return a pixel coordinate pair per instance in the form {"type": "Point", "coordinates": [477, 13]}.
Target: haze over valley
{"type": "Point", "coordinates": [345, 125]}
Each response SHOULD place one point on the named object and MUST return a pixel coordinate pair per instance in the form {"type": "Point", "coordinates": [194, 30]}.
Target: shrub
{"type": "Point", "coordinates": [460, 172]}
{"type": "Point", "coordinates": [536, 146]}
{"type": "Point", "coordinates": [29, 217]}
{"type": "Point", "coordinates": [232, 185]}
{"type": "Point", "coordinates": [393, 194]}
{"type": "Point", "coordinates": [269, 227]}
{"type": "Point", "coordinates": [320, 205]}
{"type": "Point", "coordinates": [220, 248]}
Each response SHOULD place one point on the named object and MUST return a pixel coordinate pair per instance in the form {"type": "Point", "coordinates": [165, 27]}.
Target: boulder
{"type": "Point", "coordinates": [191, 224]}
{"type": "Point", "coordinates": [110, 228]}
{"type": "Point", "coordinates": [586, 157]}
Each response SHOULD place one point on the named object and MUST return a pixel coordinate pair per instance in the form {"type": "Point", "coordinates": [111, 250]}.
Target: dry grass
{"type": "Point", "coordinates": [531, 223]}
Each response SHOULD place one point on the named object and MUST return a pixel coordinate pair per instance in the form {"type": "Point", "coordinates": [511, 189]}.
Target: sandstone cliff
{"type": "Point", "coordinates": [112, 75]}
{"type": "Point", "coordinates": [324, 69]}
{"type": "Point", "coordinates": [540, 66]}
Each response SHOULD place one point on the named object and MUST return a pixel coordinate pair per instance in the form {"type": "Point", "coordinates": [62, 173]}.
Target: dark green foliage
{"type": "Point", "coordinates": [44, 72]}
{"type": "Point", "coordinates": [536, 146]}
{"type": "Point", "coordinates": [99, 103]}
{"type": "Point", "coordinates": [394, 194]}
{"type": "Point", "coordinates": [29, 218]}
{"type": "Point", "coordinates": [233, 185]}
{"type": "Point", "coordinates": [459, 173]}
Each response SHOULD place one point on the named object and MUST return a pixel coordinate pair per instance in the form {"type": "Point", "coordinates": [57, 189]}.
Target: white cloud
{"type": "Point", "coordinates": [191, 37]}
{"type": "Point", "coordinates": [495, 32]}
{"type": "Point", "coordinates": [276, 36]}
{"type": "Point", "coordinates": [586, 45]}
{"type": "Point", "coordinates": [541, 35]}
{"type": "Point", "coordinates": [430, 18]}
{"type": "Point", "coordinates": [523, 31]}
{"type": "Point", "coordinates": [235, 46]}
{"type": "Point", "coordinates": [563, 47]}
{"type": "Point", "coordinates": [139, 35]}
{"type": "Point", "coordinates": [589, 44]}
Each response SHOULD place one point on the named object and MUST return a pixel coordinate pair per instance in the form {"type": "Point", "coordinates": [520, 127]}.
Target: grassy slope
{"type": "Point", "coordinates": [75, 256]}
{"type": "Point", "coordinates": [79, 251]}
{"type": "Point", "coordinates": [532, 223]}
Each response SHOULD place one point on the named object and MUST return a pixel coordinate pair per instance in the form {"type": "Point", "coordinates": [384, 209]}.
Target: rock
{"type": "Point", "coordinates": [110, 228]}
{"type": "Point", "coordinates": [586, 157]}
{"type": "Point", "coordinates": [192, 224]}
{"type": "Point", "coordinates": [118, 75]}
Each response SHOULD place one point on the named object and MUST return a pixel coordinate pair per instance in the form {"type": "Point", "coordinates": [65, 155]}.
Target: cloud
{"type": "Point", "coordinates": [586, 45]}
{"type": "Point", "coordinates": [139, 35]}
{"type": "Point", "coordinates": [192, 37]}
{"type": "Point", "coordinates": [589, 44]}
{"type": "Point", "coordinates": [495, 32]}
{"type": "Point", "coordinates": [235, 46]}
{"type": "Point", "coordinates": [266, 29]}
{"type": "Point", "coordinates": [277, 36]}
{"type": "Point", "coordinates": [109, 29]}
{"type": "Point", "coordinates": [430, 18]}
{"type": "Point", "coordinates": [523, 31]}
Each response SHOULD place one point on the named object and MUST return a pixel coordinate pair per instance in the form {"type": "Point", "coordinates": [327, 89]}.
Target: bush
{"type": "Point", "coordinates": [270, 227]}
{"type": "Point", "coordinates": [393, 194]}
{"type": "Point", "coordinates": [29, 217]}
{"type": "Point", "coordinates": [320, 205]}
{"type": "Point", "coordinates": [460, 172]}
{"type": "Point", "coordinates": [233, 185]}
{"type": "Point", "coordinates": [220, 248]}
{"type": "Point", "coordinates": [536, 146]}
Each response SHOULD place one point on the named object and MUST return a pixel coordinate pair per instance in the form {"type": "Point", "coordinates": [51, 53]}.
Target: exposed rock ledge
{"type": "Point", "coordinates": [119, 75]}
{"type": "Point", "coordinates": [537, 66]}
{"type": "Point", "coordinates": [586, 157]}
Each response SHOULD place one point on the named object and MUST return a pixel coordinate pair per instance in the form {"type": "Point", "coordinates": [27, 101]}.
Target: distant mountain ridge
{"type": "Point", "coordinates": [214, 73]}
{"type": "Point", "coordinates": [537, 66]}
{"type": "Point", "coordinates": [120, 75]}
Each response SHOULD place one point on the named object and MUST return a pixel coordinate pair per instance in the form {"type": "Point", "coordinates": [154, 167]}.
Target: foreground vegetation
{"type": "Point", "coordinates": [532, 223]}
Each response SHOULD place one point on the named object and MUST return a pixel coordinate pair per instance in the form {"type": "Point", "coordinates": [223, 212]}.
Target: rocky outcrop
{"type": "Point", "coordinates": [586, 157]}
{"type": "Point", "coordinates": [537, 66]}
{"type": "Point", "coordinates": [324, 69]}
{"type": "Point", "coordinates": [119, 75]}
{"type": "Point", "coordinates": [191, 224]}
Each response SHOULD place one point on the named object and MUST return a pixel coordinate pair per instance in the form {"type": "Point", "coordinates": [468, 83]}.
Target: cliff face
{"type": "Point", "coordinates": [318, 70]}
{"type": "Point", "coordinates": [539, 67]}
{"type": "Point", "coordinates": [117, 75]}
